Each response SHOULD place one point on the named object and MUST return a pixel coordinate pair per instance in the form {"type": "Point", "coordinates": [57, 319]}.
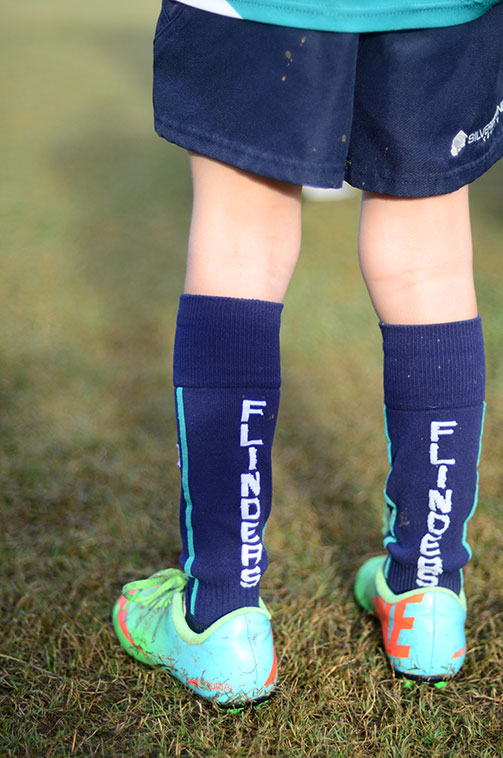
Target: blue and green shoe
{"type": "Point", "coordinates": [233, 662]}
{"type": "Point", "coordinates": [423, 629]}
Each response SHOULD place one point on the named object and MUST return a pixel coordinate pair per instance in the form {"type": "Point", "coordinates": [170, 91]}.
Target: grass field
{"type": "Point", "coordinates": [95, 211]}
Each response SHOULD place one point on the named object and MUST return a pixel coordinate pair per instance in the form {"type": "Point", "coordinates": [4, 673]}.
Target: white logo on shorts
{"type": "Point", "coordinates": [487, 131]}
{"type": "Point", "coordinates": [458, 143]}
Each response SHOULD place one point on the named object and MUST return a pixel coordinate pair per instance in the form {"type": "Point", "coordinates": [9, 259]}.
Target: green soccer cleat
{"type": "Point", "coordinates": [233, 662]}
{"type": "Point", "coordinates": [423, 629]}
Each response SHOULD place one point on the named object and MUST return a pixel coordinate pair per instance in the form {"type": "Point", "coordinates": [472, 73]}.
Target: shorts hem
{"type": "Point", "coordinates": [424, 185]}
{"type": "Point", "coordinates": [247, 158]}
{"type": "Point", "coordinates": [292, 171]}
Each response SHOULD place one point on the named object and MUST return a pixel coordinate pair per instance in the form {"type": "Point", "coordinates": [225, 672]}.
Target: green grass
{"type": "Point", "coordinates": [95, 211]}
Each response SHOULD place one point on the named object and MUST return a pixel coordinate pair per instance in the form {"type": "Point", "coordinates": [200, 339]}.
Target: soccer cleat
{"type": "Point", "coordinates": [423, 629]}
{"type": "Point", "coordinates": [233, 662]}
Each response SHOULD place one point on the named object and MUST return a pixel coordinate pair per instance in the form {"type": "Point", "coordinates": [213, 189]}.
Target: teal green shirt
{"type": "Point", "coordinates": [350, 15]}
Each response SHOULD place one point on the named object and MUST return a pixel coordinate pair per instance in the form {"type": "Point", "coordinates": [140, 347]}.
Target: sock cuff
{"type": "Point", "coordinates": [227, 342]}
{"type": "Point", "coordinates": [433, 365]}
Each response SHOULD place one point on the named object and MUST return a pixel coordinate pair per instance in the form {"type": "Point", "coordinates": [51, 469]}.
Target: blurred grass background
{"type": "Point", "coordinates": [94, 218]}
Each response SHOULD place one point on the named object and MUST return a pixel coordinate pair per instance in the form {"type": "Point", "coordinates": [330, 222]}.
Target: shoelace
{"type": "Point", "coordinates": [165, 582]}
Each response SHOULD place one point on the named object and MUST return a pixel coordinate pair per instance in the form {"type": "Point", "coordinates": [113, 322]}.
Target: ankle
{"type": "Point", "coordinates": [205, 603]}
{"type": "Point", "coordinates": [402, 577]}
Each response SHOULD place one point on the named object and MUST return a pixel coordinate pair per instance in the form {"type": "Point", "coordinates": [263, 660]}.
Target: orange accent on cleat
{"type": "Point", "coordinates": [400, 622]}
{"type": "Point", "coordinates": [460, 653]}
{"type": "Point", "coordinates": [121, 618]}
{"type": "Point", "coordinates": [274, 670]}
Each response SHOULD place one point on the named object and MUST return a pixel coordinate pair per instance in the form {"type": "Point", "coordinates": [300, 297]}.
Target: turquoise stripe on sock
{"type": "Point", "coordinates": [184, 457]}
{"type": "Point", "coordinates": [390, 511]}
{"type": "Point", "coordinates": [475, 498]}
{"type": "Point", "coordinates": [388, 440]}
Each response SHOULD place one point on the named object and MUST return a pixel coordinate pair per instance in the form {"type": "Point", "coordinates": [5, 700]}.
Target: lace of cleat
{"type": "Point", "coordinates": [165, 583]}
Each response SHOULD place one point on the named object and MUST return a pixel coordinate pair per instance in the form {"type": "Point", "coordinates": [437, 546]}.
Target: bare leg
{"type": "Point", "coordinates": [245, 233]}
{"type": "Point", "coordinates": [243, 247]}
{"type": "Point", "coordinates": [416, 258]}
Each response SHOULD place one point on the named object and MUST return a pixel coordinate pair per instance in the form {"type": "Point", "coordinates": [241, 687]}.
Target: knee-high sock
{"type": "Point", "coordinates": [434, 379]}
{"type": "Point", "coordinates": [227, 378]}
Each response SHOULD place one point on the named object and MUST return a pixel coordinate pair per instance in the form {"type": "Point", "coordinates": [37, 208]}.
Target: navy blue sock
{"type": "Point", "coordinates": [227, 378]}
{"type": "Point", "coordinates": [434, 379]}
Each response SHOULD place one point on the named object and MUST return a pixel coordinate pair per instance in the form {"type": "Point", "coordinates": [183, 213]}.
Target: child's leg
{"type": "Point", "coordinates": [244, 243]}
{"type": "Point", "coordinates": [245, 233]}
{"type": "Point", "coordinates": [416, 258]}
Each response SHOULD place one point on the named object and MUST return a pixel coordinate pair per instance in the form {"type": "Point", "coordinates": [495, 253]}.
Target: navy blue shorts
{"type": "Point", "coordinates": [405, 113]}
